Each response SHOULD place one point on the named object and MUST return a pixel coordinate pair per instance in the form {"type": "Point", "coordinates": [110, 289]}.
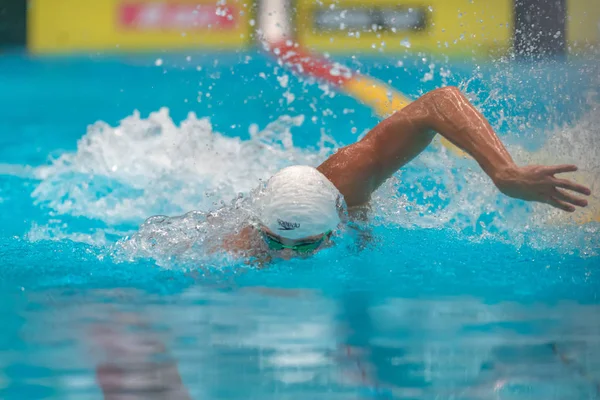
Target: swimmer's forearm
{"type": "Point", "coordinates": [404, 135]}
{"type": "Point", "coordinates": [451, 114]}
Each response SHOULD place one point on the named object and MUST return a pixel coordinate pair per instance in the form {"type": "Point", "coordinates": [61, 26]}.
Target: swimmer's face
{"type": "Point", "coordinates": [293, 247]}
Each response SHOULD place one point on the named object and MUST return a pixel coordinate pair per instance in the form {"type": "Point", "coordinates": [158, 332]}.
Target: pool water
{"type": "Point", "coordinates": [461, 293]}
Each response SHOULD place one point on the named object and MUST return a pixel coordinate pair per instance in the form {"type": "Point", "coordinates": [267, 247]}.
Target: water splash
{"type": "Point", "coordinates": [438, 190]}
{"type": "Point", "coordinates": [122, 175]}
{"type": "Point", "coordinates": [151, 166]}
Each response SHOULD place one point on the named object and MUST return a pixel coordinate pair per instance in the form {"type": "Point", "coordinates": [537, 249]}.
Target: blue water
{"type": "Point", "coordinates": [471, 307]}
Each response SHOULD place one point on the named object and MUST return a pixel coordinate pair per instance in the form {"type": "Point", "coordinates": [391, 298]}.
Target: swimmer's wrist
{"type": "Point", "coordinates": [505, 176]}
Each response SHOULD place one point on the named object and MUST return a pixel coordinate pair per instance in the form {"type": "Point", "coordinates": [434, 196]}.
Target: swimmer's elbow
{"type": "Point", "coordinates": [445, 107]}
{"type": "Point", "coordinates": [446, 91]}
{"type": "Point", "coordinates": [441, 98]}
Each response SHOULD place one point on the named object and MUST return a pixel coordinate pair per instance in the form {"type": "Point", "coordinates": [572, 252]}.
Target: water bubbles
{"type": "Point", "coordinates": [158, 62]}
{"type": "Point", "coordinates": [445, 73]}
{"type": "Point", "coordinates": [289, 97]}
{"type": "Point", "coordinates": [283, 80]}
{"type": "Point", "coordinates": [405, 43]}
{"type": "Point", "coordinates": [429, 75]}
{"type": "Point", "coordinates": [252, 22]}
{"type": "Point", "coordinates": [327, 112]}
{"type": "Point", "coordinates": [221, 12]}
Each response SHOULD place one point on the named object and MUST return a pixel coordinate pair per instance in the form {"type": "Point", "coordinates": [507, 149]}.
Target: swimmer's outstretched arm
{"type": "Point", "coordinates": [357, 170]}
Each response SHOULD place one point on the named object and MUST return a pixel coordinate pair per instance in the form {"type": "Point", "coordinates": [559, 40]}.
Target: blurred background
{"type": "Point", "coordinates": [453, 27]}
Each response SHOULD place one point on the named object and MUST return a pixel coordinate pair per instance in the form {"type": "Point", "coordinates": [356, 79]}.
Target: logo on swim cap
{"type": "Point", "coordinates": [287, 226]}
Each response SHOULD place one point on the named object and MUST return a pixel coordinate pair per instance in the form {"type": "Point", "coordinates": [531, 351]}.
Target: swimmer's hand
{"type": "Point", "coordinates": [538, 183]}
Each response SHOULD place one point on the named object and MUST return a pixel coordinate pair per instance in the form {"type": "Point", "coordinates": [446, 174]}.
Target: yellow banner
{"type": "Point", "coordinates": [464, 27]}
{"type": "Point", "coordinates": [132, 25]}
{"type": "Point", "coordinates": [583, 23]}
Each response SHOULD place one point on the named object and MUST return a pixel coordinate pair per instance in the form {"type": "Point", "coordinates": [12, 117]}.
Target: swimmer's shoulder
{"type": "Point", "coordinates": [240, 241]}
{"type": "Point", "coordinates": [353, 171]}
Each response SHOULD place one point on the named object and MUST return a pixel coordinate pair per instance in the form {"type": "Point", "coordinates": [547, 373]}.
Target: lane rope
{"type": "Point", "coordinates": [375, 94]}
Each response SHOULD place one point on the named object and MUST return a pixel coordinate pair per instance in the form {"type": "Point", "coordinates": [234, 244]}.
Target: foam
{"type": "Point", "coordinates": [151, 166]}
{"type": "Point", "coordinates": [58, 230]}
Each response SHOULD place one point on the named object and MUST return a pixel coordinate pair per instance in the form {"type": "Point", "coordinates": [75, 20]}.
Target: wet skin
{"type": "Point", "coordinates": [359, 169]}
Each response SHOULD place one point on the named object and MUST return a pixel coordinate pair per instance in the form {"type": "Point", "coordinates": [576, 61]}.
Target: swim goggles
{"type": "Point", "coordinates": [304, 247]}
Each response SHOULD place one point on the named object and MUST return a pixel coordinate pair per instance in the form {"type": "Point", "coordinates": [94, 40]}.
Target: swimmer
{"type": "Point", "coordinates": [301, 206]}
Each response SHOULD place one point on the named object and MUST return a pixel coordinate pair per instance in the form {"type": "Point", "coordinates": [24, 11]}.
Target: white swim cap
{"type": "Point", "coordinates": [299, 202]}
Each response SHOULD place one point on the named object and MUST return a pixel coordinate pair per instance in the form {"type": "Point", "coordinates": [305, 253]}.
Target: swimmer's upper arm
{"type": "Point", "coordinates": [353, 170]}
{"type": "Point", "coordinates": [359, 169]}
{"type": "Point", "coordinates": [238, 242]}
{"type": "Point", "coordinates": [398, 139]}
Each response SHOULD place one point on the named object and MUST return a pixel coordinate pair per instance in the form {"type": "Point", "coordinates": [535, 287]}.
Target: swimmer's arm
{"type": "Point", "coordinates": [398, 139]}
{"type": "Point", "coordinates": [404, 135]}
{"type": "Point", "coordinates": [448, 112]}
{"type": "Point", "coordinates": [243, 244]}
{"type": "Point", "coordinates": [132, 370]}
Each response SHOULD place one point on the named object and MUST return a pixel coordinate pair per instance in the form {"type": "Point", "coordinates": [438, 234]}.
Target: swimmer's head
{"type": "Point", "coordinates": [300, 202]}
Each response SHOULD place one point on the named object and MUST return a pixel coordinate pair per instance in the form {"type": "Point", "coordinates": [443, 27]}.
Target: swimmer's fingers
{"type": "Point", "coordinates": [566, 184]}
{"type": "Point", "coordinates": [560, 204]}
{"type": "Point", "coordinates": [559, 169]}
{"type": "Point", "coordinates": [569, 198]}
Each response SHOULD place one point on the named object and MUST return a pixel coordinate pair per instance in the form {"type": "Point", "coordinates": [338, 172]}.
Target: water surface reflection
{"type": "Point", "coordinates": [268, 343]}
